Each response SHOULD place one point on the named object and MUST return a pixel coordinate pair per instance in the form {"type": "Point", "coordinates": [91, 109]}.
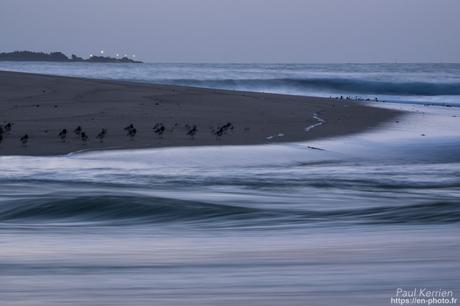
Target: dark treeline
{"type": "Point", "coordinates": [59, 57]}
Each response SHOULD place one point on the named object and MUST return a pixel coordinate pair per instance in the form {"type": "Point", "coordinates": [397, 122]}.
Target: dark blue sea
{"type": "Point", "coordinates": [340, 221]}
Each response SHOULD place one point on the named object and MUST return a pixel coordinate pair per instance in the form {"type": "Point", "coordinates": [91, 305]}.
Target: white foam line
{"type": "Point", "coordinates": [307, 129]}
{"type": "Point", "coordinates": [317, 118]}
{"type": "Point", "coordinates": [273, 136]}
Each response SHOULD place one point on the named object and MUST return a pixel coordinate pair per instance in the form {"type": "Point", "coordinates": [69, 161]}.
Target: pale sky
{"type": "Point", "coordinates": [298, 31]}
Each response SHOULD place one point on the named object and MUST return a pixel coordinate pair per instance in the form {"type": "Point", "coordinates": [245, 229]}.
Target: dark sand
{"type": "Point", "coordinates": [41, 106]}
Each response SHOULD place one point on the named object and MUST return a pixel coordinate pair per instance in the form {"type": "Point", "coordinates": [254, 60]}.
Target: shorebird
{"type": "Point", "coordinates": [84, 137]}
{"type": "Point", "coordinates": [191, 132]}
{"type": "Point", "coordinates": [222, 129]}
{"type": "Point", "coordinates": [129, 127]}
{"type": "Point", "coordinates": [62, 134]}
{"type": "Point", "coordinates": [101, 135]}
{"type": "Point", "coordinates": [219, 132]}
{"type": "Point", "coordinates": [8, 127]}
{"type": "Point", "coordinates": [157, 125]}
{"type": "Point", "coordinates": [24, 139]}
{"type": "Point", "coordinates": [77, 131]}
{"type": "Point", "coordinates": [227, 126]}
{"type": "Point", "coordinates": [160, 130]}
{"type": "Point", "coordinates": [132, 132]}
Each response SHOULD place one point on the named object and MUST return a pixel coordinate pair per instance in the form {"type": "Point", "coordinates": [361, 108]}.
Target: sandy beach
{"type": "Point", "coordinates": [41, 106]}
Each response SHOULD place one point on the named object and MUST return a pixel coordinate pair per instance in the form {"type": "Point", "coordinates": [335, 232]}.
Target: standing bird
{"type": "Point", "coordinates": [63, 134]}
{"type": "Point", "coordinates": [160, 130]}
{"type": "Point", "coordinates": [219, 132]}
{"type": "Point", "coordinates": [24, 139]}
{"type": "Point", "coordinates": [101, 135]}
{"type": "Point", "coordinates": [132, 132]}
{"type": "Point", "coordinates": [191, 132]}
{"type": "Point", "coordinates": [1, 133]}
{"type": "Point", "coordinates": [8, 127]}
{"type": "Point", "coordinates": [84, 137]}
{"type": "Point", "coordinates": [77, 131]}
{"type": "Point", "coordinates": [129, 127]}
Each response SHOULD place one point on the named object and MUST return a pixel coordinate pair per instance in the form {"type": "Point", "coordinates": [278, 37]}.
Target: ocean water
{"type": "Point", "coordinates": [335, 221]}
{"type": "Point", "coordinates": [413, 83]}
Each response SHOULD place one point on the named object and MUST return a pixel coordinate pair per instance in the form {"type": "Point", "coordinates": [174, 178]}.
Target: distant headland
{"type": "Point", "coordinates": [60, 57]}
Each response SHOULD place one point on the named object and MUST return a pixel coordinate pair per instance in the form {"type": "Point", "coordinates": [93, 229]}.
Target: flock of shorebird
{"type": "Point", "coordinates": [131, 131]}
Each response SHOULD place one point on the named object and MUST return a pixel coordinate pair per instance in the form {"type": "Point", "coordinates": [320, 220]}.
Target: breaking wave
{"type": "Point", "coordinates": [329, 85]}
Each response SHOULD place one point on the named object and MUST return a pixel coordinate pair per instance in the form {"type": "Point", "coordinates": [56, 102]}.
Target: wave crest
{"type": "Point", "coordinates": [116, 210]}
{"type": "Point", "coordinates": [329, 85]}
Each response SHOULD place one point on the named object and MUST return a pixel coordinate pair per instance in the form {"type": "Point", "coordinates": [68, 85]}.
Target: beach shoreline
{"type": "Point", "coordinates": [42, 106]}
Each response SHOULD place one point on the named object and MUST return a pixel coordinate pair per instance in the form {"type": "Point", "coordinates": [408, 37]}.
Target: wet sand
{"type": "Point", "coordinates": [41, 106]}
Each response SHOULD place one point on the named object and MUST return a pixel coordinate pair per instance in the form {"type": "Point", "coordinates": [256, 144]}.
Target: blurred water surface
{"type": "Point", "coordinates": [334, 221]}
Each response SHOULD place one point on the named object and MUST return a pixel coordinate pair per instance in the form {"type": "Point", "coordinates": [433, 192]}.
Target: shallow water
{"type": "Point", "coordinates": [345, 220]}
